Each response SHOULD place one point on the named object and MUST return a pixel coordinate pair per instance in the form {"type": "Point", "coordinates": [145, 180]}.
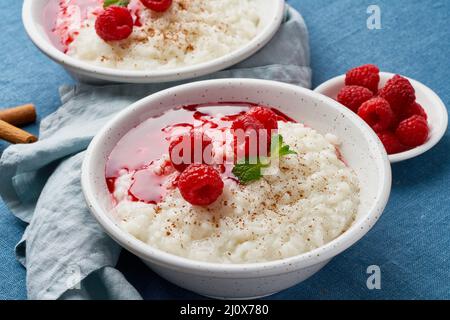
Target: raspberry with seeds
{"type": "Point", "coordinates": [200, 184]}
{"type": "Point", "coordinates": [157, 5]}
{"type": "Point", "coordinates": [413, 132]}
{"type": "Point", "coordinates": [377, 113]}
{"type": "Point", "coordinates": [367, 76]}
{"type": "Point", "coordinates": [115, 23]}
{"type": "Point", "coordinates": [412, 110]}
{"type": "Point", "coordinates": [354, 96]}
{"type": "Point", "coordinates": [399, 92]}
{"type": "Point", "coordinates": [391, 142]}
{"type": "Point", "coordinates": [246, 122]}
{"type": "Point", "coordinates": [264, 115]}
{"type": "Point", "coordinates": [247, 132]}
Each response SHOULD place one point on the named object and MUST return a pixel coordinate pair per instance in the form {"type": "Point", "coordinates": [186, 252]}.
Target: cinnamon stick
{"type": "Point", "coordinates": [20, 115]}
{"type": "Point", "coordinates": [13, 134]}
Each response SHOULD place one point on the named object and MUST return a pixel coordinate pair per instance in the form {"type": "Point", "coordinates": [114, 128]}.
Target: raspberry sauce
{"type": "Point", "coordinates": [63, 19]}
{"type": "Point", "coordinates": [145, 145]}
{"type": "Point", "coordinates": [147, 186]}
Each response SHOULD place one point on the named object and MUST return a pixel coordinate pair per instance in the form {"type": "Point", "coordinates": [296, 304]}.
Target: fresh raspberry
{"type": "Point", "coordinates": [200, 184]}
{"type": "Point", "coordinates": [377, 113]}
{"type": "Point", "coordinates": [399, 92]}
{"type": "Point", "coordinates": [391, 142]}
{"type": "Point", "coordinates": [367, 76]}
{"type": "Point", "coordinates": [245, 129]}
{"type": "Point", "coordinates": [354, 96]}
{"type": "Point", "coordinates": [189, 140]}
{"type": "Point", "coordinates": [247, 122]}
{"type": "Point", "coordinates": [266, 116]}
{"type": "Point", "coordinates": [412, 110]}
{"type": "Point", "coordinates": [157, 5]}
{"type": "Point", "coordinates": [115, 23]}
{"type": "Point", "coordinates": [412, 132]}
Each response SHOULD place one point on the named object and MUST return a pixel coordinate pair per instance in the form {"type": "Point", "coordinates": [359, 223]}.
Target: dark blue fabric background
{"type": "Point", "coordinates": [410, 243]}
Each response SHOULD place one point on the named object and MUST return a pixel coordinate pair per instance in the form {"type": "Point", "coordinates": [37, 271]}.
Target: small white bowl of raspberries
{"type": "Point", "coordinates": [408, 117]}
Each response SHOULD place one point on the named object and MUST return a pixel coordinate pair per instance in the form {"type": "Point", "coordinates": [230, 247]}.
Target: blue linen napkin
{"type": "Point", "coordinates": [65, 251]}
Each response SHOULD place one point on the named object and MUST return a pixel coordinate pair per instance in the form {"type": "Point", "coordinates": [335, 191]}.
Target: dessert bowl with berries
{"type": "Point", "coordinates": [236, 188]}
{"type": "Point", "coordinates": [145, 41]}
{"type": "Point", "coordinates": [408, 117]}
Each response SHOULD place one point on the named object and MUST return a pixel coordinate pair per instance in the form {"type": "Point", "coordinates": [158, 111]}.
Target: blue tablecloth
{"type": "Point", "coordinates": [411, 241]}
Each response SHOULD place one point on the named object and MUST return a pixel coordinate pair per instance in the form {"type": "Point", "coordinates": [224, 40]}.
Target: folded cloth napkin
{"type": "Point", "coordinates": [65, 252]}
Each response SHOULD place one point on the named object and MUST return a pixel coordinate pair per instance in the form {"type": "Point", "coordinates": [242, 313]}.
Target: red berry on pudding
{"type": "Point", "coordinates": [266, 116]}
{"type": "Point", "coordinates": [247, 132]}
{"type": "Point", "coordinates": [200, 184]}
{"type": "Point", "coordinates": [247, 122]}
{"type": "Point", "coordinates": [114, 24]}
{"type": "Point", "coordinates": [157, 5]}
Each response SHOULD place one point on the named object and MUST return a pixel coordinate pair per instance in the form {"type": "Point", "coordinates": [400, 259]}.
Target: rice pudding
{"type": "Point", "coordinates": [312, 198]}
{"type": "Point", "coordinates": [189, 32]}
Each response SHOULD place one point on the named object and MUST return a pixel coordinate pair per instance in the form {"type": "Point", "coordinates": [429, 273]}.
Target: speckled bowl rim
{"type": "Point", "coordinates": [249, 270]}
{"type": "Point", "coordinates": [197, 70]}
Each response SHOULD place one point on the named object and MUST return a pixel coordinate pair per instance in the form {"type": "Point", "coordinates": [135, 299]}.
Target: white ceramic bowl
{"type": "Point", "coordinates": [360, 147]}
{"type": "Point", "coordinates": [272, 12]}
{"type": "Point", "coordinates": [430, 101]}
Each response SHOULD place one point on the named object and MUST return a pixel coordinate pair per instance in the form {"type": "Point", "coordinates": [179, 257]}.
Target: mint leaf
{"type": "Point", "coordinates": [278, 148]}
{"type": "Point", "coordinates": [285, 150]}
{"type": "Point", "coordinates": [119, 3]}
{"type": "Point", "coordinates": [250, 169]}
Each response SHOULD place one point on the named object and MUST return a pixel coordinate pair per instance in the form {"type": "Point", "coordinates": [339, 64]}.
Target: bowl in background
{"type": "Point", "coordinates": [360, 147]}
{"type": "Point", "coordinates": [430, 101]}
{"type": "Point", "coordinates": [272, 13]}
